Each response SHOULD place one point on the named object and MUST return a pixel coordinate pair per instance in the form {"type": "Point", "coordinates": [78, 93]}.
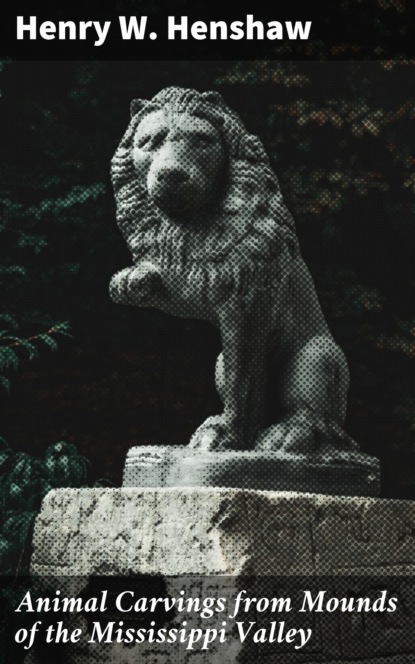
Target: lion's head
{"type": "Point", "coordinates": [194, 188]}
{"type": "Point", "coordinates": [182, 158]}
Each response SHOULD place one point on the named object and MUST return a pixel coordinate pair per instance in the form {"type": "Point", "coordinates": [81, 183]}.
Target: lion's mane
{"type": "Point", "coordinates": [242, 244]}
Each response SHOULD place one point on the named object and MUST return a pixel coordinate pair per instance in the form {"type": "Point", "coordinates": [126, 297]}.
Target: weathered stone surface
{"type": "Point", "coordinates": [220, 531]}
{"type": "Point", "coordinates": [211, 542]}
{"type": "Point", "coordinates": [352, 474]}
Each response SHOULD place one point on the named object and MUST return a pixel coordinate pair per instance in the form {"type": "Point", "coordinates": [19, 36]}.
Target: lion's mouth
{"type": "Point", "coordinates": [182, 200]}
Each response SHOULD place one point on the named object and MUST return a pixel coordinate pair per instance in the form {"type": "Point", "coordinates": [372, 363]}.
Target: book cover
{"type": "Point", "coordinates": [85, 375]}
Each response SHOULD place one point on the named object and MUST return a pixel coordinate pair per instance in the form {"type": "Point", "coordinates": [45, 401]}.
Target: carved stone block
{"type": "Point", "coordinates": [210, 542]}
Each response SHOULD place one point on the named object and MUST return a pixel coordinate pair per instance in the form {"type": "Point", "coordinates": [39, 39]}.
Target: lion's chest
{"type": "Point", "coordinates": [190, 290]}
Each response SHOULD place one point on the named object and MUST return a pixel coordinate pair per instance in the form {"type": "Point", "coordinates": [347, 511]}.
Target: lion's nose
{"type": "Point", "coordinates": [172, 176]}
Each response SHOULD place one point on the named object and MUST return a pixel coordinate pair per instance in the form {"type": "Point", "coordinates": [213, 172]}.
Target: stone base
{"type": "Point", "coordinates": [216, 542]}
{"type": "Point", "coordinates": [345, 474]}
{"type": "Point", "coordinates": [213, 531]}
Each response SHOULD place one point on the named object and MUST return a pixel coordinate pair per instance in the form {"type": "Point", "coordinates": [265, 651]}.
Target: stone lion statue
{"type": "Point", "coordinates": [211, 238]}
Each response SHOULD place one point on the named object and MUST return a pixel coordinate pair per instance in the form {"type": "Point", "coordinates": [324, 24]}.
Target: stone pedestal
{"type": "Point", "coordinates": [210, 542]}
{"type": "Point", "coordinates": [336, 473]}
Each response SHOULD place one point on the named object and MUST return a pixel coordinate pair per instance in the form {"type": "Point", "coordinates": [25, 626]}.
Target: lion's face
{"type": "Point", "coordinates": [182, 158]}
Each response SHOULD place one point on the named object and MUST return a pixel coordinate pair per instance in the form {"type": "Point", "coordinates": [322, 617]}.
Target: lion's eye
{"type": "Point", "coordinates": [144, 141]}
{"type": "Point", "coordinates": [152, 141]}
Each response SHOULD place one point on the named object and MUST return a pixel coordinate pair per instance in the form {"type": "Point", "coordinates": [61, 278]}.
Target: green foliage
{"type": "Point", "coordinates": [11, 345]}
{"type": "Point", "coordinates": [57, 208]}
{"type": "Point", "coordinates": [64, 465]}
{"type": "Point", "coordinates": [24, 481]}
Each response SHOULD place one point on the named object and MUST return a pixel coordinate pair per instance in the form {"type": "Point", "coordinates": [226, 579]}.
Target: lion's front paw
{"type": "Point", "coordinates": [135, 285]}
{"type": "Point", "coordinates": [216, 433]}
{"type": "Point", "coordinates": [305, 433]}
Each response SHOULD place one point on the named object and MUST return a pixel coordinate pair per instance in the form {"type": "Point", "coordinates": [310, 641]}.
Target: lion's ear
{"type": "Point", "coordinates": [213, 98]}
{"type": "Point", "coordinates": [136, 105]}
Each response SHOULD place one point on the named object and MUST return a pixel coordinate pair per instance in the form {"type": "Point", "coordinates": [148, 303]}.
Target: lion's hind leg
{"type": "Point", "coordinates": [314, 387]}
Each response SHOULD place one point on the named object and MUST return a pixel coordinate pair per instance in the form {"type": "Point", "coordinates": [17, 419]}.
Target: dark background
{"type": "Point", "coordinates": [340, 137]}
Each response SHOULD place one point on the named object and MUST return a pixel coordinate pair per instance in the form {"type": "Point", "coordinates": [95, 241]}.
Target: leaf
{"type": "Point", "coordinates": [5, 336]}
{"type": "Point", "coordinates": [8, 358]}
{"type": "Point", "coordinates": [18, 526]}
{"type": "Point", "coordinates": [4, 383]}
{"type": "Point", "coordinates": [10, 320]}
{"type": "Point", "coordinates": [63, 329]}
{"type": "Point", "coordinates": [6, 461]}
{"type": "Point", "coordinates": [49, 341]}
{"type": "Point", "coordinates": [23, 487]}
{"type": "Point", "coordinates": [30, 348]}
{"type": "Point", "coordinates": [64, 466]}
{"type": "Point", "coordinates": [13, 270]}
{"type": "Point", "coordinates": [77, 195]}
{"type": "Point", "coordinates": [35, 242]}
